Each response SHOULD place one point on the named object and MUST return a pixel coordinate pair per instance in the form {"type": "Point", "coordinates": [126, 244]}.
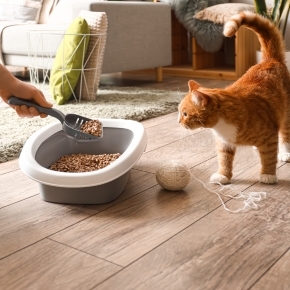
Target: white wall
{"type": "Point", "coordinates": [287, 35]}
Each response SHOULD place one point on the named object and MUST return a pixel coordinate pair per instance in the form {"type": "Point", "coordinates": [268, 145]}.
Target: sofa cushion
{"type": "Point", "coordinates": [61, 13]}
{"type": "Point", "coordinates": [47, 8]}
{"type": "Point", "coordinates": [69, 61]}
{"type": "Point", "coordinates": [20, 11]}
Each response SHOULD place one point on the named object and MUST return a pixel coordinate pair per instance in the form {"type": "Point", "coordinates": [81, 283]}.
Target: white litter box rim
{"type": "Point", "coordinates": [125, 162]}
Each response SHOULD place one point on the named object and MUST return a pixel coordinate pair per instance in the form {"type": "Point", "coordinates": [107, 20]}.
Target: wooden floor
{"type": "Point", "coordinates": [150, 238]}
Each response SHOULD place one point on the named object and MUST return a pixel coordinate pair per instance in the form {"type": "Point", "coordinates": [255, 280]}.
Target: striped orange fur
{"type": "Point", "coordinates": [254, 110]}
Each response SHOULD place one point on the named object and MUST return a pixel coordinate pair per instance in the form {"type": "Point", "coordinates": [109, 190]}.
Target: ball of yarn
{"type": "Point", "coordinates": [173, 175]}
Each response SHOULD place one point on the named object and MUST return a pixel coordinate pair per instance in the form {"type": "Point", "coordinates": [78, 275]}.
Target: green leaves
{"type": "Point", "coordinates": [261, 7]}
{"type": "Point", "coordinates": [278, 13]}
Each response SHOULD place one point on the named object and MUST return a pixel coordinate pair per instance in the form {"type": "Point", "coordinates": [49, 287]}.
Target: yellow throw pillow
{"type": "Point", "coordinates": [69, 60]}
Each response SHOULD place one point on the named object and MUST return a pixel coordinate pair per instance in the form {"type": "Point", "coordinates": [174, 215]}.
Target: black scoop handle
{"type": "Point", "coordinates": [49, 111]}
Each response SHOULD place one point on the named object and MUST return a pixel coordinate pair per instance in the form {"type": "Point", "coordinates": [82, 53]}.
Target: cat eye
{"type": "Point", "coordinates": [184, 114]}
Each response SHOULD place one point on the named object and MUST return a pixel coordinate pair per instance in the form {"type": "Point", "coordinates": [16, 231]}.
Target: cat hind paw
{"type": "Point", "coordinates": [219, 179]}
{"type": "Point", "coordinates": [284, 156]}
{"type": "Point", "coordinates": [268, 178]}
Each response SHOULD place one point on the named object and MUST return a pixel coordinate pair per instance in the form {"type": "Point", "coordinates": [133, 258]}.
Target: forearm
{"type": "Point", "coordinates": [7, 80]}
{"type": "Point", "coordinates": [11, 86]}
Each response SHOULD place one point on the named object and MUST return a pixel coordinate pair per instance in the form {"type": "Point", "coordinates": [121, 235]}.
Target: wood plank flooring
{"type": "Point", "coordinates": [150, 238]}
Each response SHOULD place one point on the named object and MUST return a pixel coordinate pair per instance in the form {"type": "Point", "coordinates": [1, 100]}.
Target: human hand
{"type": "Point", "coordinates": [25, 91]}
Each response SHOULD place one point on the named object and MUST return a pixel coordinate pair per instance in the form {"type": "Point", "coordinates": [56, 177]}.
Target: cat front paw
{"type": "Point", "coordinates": [268, 178]}
{"type": "Point", "coordinates": [284, 156]}
{"type": "Point", "coordinates": [219, 179]}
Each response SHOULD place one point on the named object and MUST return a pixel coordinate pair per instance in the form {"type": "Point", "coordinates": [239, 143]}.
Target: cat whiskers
{"type": "Point", "coordinates": [185, 140]}
{"type": "Point", "coordinates": [200, 123]}
{"type": "Point", "coordinates": [179, 96]}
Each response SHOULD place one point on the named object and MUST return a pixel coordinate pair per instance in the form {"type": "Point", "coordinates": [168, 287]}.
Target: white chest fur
{"type": "Point", "coordinates": [226, 132]}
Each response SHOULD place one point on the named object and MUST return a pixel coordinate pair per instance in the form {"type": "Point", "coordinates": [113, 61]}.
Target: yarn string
{"type": "Point", "coordinates": [249, 199]}
{"type": "Point", "coordinates": [173, 175]}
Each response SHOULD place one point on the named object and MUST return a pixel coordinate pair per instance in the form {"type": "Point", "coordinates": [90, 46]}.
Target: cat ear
{"type": "Point", "coordinates": [193, 85]}
{"type": "Point", "coordinates": [199, 98]}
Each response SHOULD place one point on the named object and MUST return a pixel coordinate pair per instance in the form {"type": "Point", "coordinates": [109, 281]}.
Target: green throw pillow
{"type": "Point", "coordinates": [68, 61]}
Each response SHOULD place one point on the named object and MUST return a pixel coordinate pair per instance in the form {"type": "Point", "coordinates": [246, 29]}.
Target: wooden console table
{"type": "Point", "coordinates": [189, 60]}
{"type": "Point", "coordinates": [230, 63]}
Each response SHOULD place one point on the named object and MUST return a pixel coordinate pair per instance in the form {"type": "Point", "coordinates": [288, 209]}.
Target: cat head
{"type": "Point", "coordinates": [197, 109]}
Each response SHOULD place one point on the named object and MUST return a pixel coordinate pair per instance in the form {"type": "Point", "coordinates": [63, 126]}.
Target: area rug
{"type": "Point", "coordinates": [111, 102]}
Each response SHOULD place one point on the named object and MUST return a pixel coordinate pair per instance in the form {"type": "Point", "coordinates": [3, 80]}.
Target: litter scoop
{"type": "Point", "coordinates": [71, 123]}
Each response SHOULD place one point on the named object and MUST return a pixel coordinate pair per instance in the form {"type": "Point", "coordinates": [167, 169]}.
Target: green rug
{"type": "Point", "coordinates": [111, 102]}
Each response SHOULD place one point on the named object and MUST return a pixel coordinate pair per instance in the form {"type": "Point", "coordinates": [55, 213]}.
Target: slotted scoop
{"type": "Point", "coordinates": [71, 123]}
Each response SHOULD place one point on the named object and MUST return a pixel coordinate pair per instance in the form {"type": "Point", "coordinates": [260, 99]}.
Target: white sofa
{"type": "Point", "coordinates": [138, 35]}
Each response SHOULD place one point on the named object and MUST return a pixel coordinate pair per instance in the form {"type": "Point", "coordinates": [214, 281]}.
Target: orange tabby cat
{"type": "Point", "coordinates": [255, 110]}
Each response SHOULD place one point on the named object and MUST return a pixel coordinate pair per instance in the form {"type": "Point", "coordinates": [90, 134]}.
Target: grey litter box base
{"type": "Point", "coordinates": [99, 194]}
{"type": "Point", "coordinates": [115, 140]}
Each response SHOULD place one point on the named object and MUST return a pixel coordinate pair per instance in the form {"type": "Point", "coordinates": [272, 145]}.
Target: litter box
{"type": "Point", "coordinates": [48, 144]}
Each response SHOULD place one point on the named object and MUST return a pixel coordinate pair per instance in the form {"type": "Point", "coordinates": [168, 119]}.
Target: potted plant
{"type": "Point", "coordinates": [278, 14]}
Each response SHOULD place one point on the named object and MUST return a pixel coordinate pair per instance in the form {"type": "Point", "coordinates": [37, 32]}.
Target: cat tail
{"type": "Point", "coordinates": [270, 38]}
